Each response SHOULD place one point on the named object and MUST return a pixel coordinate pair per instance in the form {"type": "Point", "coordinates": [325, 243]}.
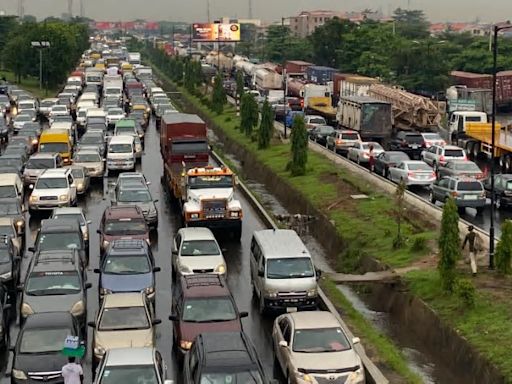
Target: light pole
{"type": "Point", "coordinates": [496, 29]}
{"type": "Point", "coordinates": [285, 82]}
{"type": "Point", "coordinates": [40, 45]}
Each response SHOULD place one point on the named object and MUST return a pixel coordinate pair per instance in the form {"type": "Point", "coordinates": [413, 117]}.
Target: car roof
{"type": "Point", "coordinates": [204, 285]}
{"type": "Point", "coordinates": [196, 233]}
{"type": "Point", "coordinates": [226, 349]}
{"type": "Point", "coordinates": [130, 356]}
{"type": "Point", "coordinates": [9, 178]}
{"type": "Point", "coordinates": [6, 220]}
{"type": "Point", "coordinates": [49, 320]}
{"type": "Point", "coordinates": [280, 243]}
{"type": "Point", "coordinates": [314, 319]}
{"type": "Point", "coordinates": [55, 172]}
{"type": "Point", "coordinates": [39, 155]}
{"type": "Point", "coordinates": [64, 264]}
{"type": "Point", "coordinates": [124, 211]}
{"type": "Point", "coordinates": [450, 147]}
{"type": "Point", "coordinates": [122, 139]}
{"type": "Point", "coordinates": [121, 300]}
{"type": "Point", "coordinates": [131, 246]}
{"type": "Point", "coordinates": [87, 151]}
{"type": "Point", "coordinates": [59, 225]}
{"type": "Point", "coordinates": [68, 210]}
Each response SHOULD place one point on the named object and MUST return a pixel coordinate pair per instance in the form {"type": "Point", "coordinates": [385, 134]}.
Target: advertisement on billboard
{"type": "Point", "coordinates": [216, 32]}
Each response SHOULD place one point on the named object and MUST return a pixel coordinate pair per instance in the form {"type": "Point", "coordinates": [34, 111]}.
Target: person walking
{"type": "Point", "coordinates": [371, 158]}
{"type": "Point", "coordinates": [470, 239]}
{"type": "Point", "coordinates": [72, 372]}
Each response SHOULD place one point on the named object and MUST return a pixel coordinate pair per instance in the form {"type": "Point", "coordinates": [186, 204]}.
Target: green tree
{"type": "Point", "coordinates": [266, 126]}
{"type": "Point", "coordinates": [249, 114]}
{"type": "Point", "coordinates": [449, 245]}
{"type": "Point", "coordinates": [331, 43]}
{"type": "Point", "coordinates": [219, 98]}
{"type": "Point", "coordinates": [504, 249]}
{"type": "Point", "coordinates": [299, 139]}
{"type": "Point", "coordinates": [411, 24]}
{"type": "Point", "coordinates": [281, 45]}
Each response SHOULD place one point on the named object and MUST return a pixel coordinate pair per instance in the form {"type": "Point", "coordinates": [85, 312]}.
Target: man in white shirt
{"type": "Point", "coordinates": [72, 372]}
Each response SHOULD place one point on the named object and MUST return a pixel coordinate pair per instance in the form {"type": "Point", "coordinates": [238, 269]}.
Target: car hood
{"type": "Point", "coordinates": [5, 268]}
{"type": "Point", "coordinates": [124, 338]}
{"type": "Point", "coordinates": [324, 361]}
{"type": "Point", "coordinates": [189, 330]}
{"type": "Point", "coordinates": [120, 156]}
{"type": "Point", "coordinates": [47, 362]}
{"type": "Point", "coordinates": [96, 164]}
{"type": "Point", "coordinates": [52, 303]}
{"type": "Point", "coordinates": [33, 172]}
{"type": "Point", "coordinates": [126, 283]}
{"type": "Point", "coordinates": [210, 193]}
{"type": "Point", "coordinates": [50, 192]}
{"type": "Point", "coordinates": [201, 262]}
{"type": "Point", "coordinates": [145, 207]}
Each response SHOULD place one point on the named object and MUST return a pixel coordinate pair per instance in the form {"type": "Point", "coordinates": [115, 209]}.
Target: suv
{"type": "Point", "coordinates": [202, 303]}
{"type": "Point", "coordinates": [411, 143]}
{"type": "Point", "coordinates": [466, 192]}
{"type": "Point", "coordinates": [195, 250]}
{"type": "Point", "coordinates": [502, 190]}
{"type": "Point", "coordinates": [127, 266]}
{"type": "Point", "coordinates": [55, 283]}
{"type": "Point", "coordinates": [225, 357]}
{"type": "Point", "coordinates": [121, 223]}
{"type": "Point", "coordinates": [38, 163]}
{"type": "Point", "coordinates": [10, 264]}
{"type": "Point", "coordinates": [54, 188]}
{"type": "Point", "coordinates": [140, 196]}
{"type": "Point", "coordinates": [14, 209]}
{"type": "Point", "coordinates": [341, 140]}
{"type": "Point", "coordinates": [437, 155]}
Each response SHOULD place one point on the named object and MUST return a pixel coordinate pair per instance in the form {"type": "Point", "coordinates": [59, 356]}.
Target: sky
{"type": "Point", "coordinates": [267, 10]}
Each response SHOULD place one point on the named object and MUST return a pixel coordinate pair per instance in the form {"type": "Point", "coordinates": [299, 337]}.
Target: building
{"type": "Point", "coordinates": [307, 21]}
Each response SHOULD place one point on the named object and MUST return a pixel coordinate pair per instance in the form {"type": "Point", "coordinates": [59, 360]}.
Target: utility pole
{"type": "Point", "coordinates": [208, 10]}
{"type": "Point", "coordinates": [82, 10]}
{"type": "Point", "coordinates": [250, 9]}
{"type": "Point", "coordinates": [70, 8]}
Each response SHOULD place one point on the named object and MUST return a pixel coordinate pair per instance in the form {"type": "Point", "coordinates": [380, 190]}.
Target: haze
{"type": "Point", "coordinates": [195, 10]}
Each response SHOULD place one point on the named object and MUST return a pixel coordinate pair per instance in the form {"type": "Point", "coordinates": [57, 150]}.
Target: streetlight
{"type": "Point", "coordinates": [496, 29]}
{"type": "Point", "coordinates": [40, 45]}
{"type": "Point", "coordinates": [285, 82]}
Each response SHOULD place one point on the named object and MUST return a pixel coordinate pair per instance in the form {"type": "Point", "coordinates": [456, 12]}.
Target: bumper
{"type": "Point", "coordinates": [479, 203]}
{"type": "Point", "coordinates": [283, 303]}
{"type": "Point", "coordinates": [48, 205]}
{"type": "Point", "coordinates": [230, 224]}
{"type": "Point", "coordinates": [58, 380]}
{"type": "Point", "coordinates": [420, 182]}
{"type": "Point", "coordinates": [95, 173]}
{"type": "Point", "coordinates": [120, 165]}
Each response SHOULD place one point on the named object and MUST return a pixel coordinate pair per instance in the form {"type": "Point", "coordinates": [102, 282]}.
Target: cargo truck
{"type": "Point", "coordinates": [318, 101]}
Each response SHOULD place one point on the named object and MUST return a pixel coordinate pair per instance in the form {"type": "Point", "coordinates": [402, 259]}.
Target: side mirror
{"type": "Point", "coordinates": [96, 270]}
{"type": "Point", "coordinates": [157, 269]}
{"type": "Point", "coordinates": [31, 249]}
{"type": "Point", "coordinates": [88, 286]}
{"type": "Point", "coordinates": [31, 186]}
{"type": "Point", "coordinates": [91, 324]}
{"type": "Point", "coordinates": [356, 340]}
{"type": "Point", "coordinates": [261, 272]}
{"type": "Point", "coordinates": [148, 182]}
{"type": "Point", "coordinates": [173, 317]}
{"type": "Point", "coordinates": [89, 221]}
{"type": "Point", "coordinates": [244, 314]}
{"type": "Point", "coordinates": [318, 273]}
{"type": "Point", "coordinates": [155, 201]}
{"type": "Point", "coordinates": [98, 231]}
{"type": "Point", "coordinates": [283, 343]}
{"type": "Point", "coordinates": [156, 322]}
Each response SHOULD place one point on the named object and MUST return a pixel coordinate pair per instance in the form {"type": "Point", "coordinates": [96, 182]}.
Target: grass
{"type": "Point", "coordinates": [30, 84]}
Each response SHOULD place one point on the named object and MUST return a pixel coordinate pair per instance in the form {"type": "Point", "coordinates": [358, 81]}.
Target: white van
{"type": "Point", "coordinates": [11, 186]}
{"type": "Point", "coordinates": [121, 153]}
{"type": "Point", "coordinates": [282, 271]}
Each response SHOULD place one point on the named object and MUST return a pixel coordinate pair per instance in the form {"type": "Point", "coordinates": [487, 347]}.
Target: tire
{"type": "Point", "coordinates": [261, 305]}
{"type": "Point", "coordinates": [475, 150]}
{"type": "Point", "coordinates": [508, 164]}
{"type": "Point", "coordinates": [497, 202]}
{"type": "Point", "coordinates": [479, 210]}
{"type": "Point", "coordinates": [432, 197]}
{"type": "Point", "coordinates": [358, 161]}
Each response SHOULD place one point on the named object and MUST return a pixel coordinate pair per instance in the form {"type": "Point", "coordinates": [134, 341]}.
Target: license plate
{"type": "Point", "coordinates": [414, 146]}
{"type": "Point", "coordinates": [291, 309]}
{"type": "Point", "coordinates": [470, 197]}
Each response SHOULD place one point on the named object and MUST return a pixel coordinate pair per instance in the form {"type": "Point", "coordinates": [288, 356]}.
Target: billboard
{"type": "Point", "coordinates": [216, 32]}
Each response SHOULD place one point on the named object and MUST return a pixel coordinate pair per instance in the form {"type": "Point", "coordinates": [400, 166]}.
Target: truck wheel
{"type": "Point", "coordinates": [508, 164]}
{"type": "Point", "coordinates": [432, 197]}
{"type": "Point", "coordinates": [475, 150]}
{"type": "Point", "coordinates": [497, 202]}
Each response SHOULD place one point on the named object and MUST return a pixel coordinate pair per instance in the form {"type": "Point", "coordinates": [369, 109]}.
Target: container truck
{"type": "Point", "coordinates": [296, 66]}
{"type": "Point", "coordinates": [266, 79]}
{"type": "Point", "coordinates": [113, 86]}
{"type": "Point", "coordinates": [319, 74]}
{"type": "Point", "coordinates": [93, 76]}
{"type": "Point", "coordinates": [134, 58]}
{"type": "Point", "coordinates": [318, 101]}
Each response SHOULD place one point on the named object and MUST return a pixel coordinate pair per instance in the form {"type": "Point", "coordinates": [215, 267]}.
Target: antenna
{"type": "Point", "coordinates": [250, 9]}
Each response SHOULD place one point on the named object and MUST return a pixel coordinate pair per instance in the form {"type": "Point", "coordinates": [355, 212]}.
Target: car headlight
{"type": "Point", "coordinates": [185, 344]}
{"type": "Point", "coordinates": [6, 276]}
{"type": "Point", "coordinates": [194, 215]}
{"type": "Point", "coordinates": [356, 377]}
{"type": "Point", "coordinates": [105, 243]}
{"type": "Point", "coordinates": [19, 223]}
{"type": "Point", "coordinates": [99, 351]}
{"type": "Point", "coordinates": [33, 199]}
{"type": "Point", "coordinates": [63, 197]}
{"type": "Point", "coordinates": [304, 377]}
{"type": "Point", "coordinates": [184, 269]}
{"type": "Point", "coordinates": [312, 292]}
{"type": "Point", "coordinates": [78, 308]}
{"type": "Point", "coordinates": [19, 374]}
{"type": "Point", "coordinates": [272, 293]}
{"type": "Point", "coordinates": [80, 185]}
{"type": "Point", "coordinates": [105, 291]}
{"type": "Point", "coordinates": [26, 310]}
{"type": "Point", "coordinates": [149, 290]}
{"type": "Point", "coordinates": [66, 160]}
{"type": "Point", "coordinates": [86, 235]}
{"type": "Point", "coordinates": [221, 268]}
{"type": "Point", "coordinates": [35, 141]}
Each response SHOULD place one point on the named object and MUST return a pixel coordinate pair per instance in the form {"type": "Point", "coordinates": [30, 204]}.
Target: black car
{"type": "Point", "coordinates": [320, 134]}
{"type": "Point", "coordinates": [4, 130]}
{"type": "Point", "coordinates": [224, 357]}
{"type": "Point", "coordinates": [10, 264]}
{"type": "Point", "coordinates": [411, 143]}
{"type": "Point", "coordinates": [502, 190]}
{"type": "Point", "coordinates": [389, 159]}
{"type": "Point", "coordinates": [38, 353]}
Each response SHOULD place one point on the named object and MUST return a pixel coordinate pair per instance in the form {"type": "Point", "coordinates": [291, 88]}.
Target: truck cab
{"type": "Point", "coordinates": [458, 120]}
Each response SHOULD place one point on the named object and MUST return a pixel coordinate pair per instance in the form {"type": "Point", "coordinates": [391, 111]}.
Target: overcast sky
{"type": "Point", "coordinates": [195, 10]}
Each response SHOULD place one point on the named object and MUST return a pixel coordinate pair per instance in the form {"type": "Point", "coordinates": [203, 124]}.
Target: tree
{"type": "Point", "coordinates": [249, 114]}
{"type": "Point", "coordinates": [398, 242]}
{"type": "Point", "coordinates": [266, 126]}
{"type": "Point", "coordinates": [219, 98]}
{"type": "Point", "coordinates": [299, 139]}
{"type": "Point", "coordinates": [411, 24]}
{"type": "Point", "coordinates": [449, 245]}
{"type": "Point", "coordinates": [504, 249]}
{"type": "Point", "coordinates": [281, 45]}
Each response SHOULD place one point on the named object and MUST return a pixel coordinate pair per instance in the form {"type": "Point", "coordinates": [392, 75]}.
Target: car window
{"type": "Point", "coordinates": [129, 374]}
{"type": "Point", "coordinates": [123, 319]}
{"type": "Point", "coordinates": [211, 309]}
{"type": "Point", "coordinates": [444, 183]}
{"type": "Point", "coordinates": [469, 186]}
{"type": "Point", "coordinates": [287, 333]}
{"type": "Point", "coordinates": [452, 185]}
{"type": "Point", "coordinates": [320, 340]}
{"type": "Point", "coordinates": [199, 248]}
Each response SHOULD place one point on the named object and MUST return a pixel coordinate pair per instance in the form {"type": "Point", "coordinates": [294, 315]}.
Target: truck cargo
{"type": "Point", "coordinates": [504, 89]}
{"type": "Point", "coordinates": [356, 85]}
{"type": "Point", "coordinates": [134, 58]}
{"type": "Point", "coordinates": [318, 101]}
{"type": "Point", "coordinates": [297, 66]}
{"type": "Point", "coordinates": [336, 79]}
{"type": "Point", "coordinates": [295, 87]}
{"type": "Point", "coordinates": [371, 118]}
{"type": "Point", "coordinates": [462, 98]}
{"type": "Point", "coordinates": [471, 80]}
{"type": "Point", "coordinates": [319, 74]}
{"type": "Point", "coordinates": [93, 76]}
{"type": "Point", "coordinates": [266, 79]}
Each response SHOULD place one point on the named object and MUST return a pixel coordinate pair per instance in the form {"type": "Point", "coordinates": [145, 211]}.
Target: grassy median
{"type": "Point", "coordinates": [30, 84]}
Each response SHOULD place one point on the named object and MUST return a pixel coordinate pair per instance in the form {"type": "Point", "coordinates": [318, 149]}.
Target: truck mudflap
{"type": "Point", "coordinates": [233, 226]}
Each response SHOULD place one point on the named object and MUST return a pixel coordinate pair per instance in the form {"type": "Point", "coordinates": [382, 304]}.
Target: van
{"type": "Point", "coordinates": [11, 186]}
{"type": "Point", "coordinates": [121, 153]}
{"type": "Point", "coordinates": [282, 271]}
{"type": "Point", "coordinates": [56, 140]}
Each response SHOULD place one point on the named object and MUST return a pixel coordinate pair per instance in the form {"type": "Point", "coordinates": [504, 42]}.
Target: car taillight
{"type": "Point", "coordinates": [455, 194]}
{"type": "Point", "coordinates": [338, 142]}
{"type": "Point", "coordinates": [411, 174]}
{"type": "Point", "coordinates": [441, 159]}
{"type": "Point", "coordinates": [434, 174]}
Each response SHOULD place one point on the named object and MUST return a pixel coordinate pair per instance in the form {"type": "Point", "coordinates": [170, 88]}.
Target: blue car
{"type": "Point", "coordinates": [127, 266]}
{"type": "Point", "coordinates": [291, 115]}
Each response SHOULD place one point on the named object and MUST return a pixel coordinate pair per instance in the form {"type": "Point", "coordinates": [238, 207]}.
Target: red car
{"type": "Point", "coordinates": [202, 304]}
{"type": "Point", "coordinates": [122, 223]}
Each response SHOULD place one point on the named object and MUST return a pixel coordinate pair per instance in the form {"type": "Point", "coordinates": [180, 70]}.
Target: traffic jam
{"type": "Point", "coordinates": [128, 252]}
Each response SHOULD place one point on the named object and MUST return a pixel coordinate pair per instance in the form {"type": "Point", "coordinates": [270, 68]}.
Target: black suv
{"type": "Point", "coordinates": [10, 264]}
{"type": "Point", "coordinates": [54, 284]}
{"type": "Point", "coordinates": [61, 234]}
{"type": "Point", "coordinates": [411, 143]}
{"type": "Point", "coordinates": [38, 353]}
{"type": "Point", "coordinates": [226, 357]}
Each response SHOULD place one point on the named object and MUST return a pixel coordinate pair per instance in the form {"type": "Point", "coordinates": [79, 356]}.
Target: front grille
{"type": "Point", "coordinates": [292, 294]}
{"type": "Point", "coordinates": [214, 209]}
{"type": "Point", "coordinates": [48, 198]}
{"type": "Point", "coordinates": [44, 376]}
{"type": "Point", "coordinates": [202, 270]}
{"type": "Point", "coordinates": [331, 380]}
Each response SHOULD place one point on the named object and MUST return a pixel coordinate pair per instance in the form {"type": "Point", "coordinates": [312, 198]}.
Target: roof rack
{"type": "Point", "coordinates": [63, 256]}
{"type": "Point", "coordinates": [203, 280]}
{"type": "Point", "coordinates": [127, 244]}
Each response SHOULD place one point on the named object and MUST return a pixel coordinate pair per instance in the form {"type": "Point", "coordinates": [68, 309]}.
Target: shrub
{"type": "Point", "coordinates": [466, 292]}
{"type": "Point", "coordinates": [419, 244]}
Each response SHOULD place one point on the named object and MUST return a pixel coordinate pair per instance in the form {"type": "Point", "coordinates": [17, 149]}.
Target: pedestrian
{"type": "Point", "coordinates": [470, 239]}
{"type": "Point", "coordinates": [72, 372]}
{"type": "Point", "coordinates": [372, 158]}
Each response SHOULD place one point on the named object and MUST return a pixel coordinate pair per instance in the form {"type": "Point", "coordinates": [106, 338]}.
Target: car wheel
{"type": "Point", "coordinates": [261, 305]}
{"type": "Point", "coordinates": [358, 160]}
{"type": "Point", "coordinates": [432, 197]}
{"type": "Point", "coordinates": [497, 202]}
{"type": "Point", "coordinates": [479, 210]}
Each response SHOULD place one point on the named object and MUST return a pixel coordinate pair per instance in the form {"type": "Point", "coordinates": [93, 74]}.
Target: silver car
{"type": "Point", "coordinates": [461, 168]}
{"type": "Point", "coordinates": [36, 165]}
{"type": "Point", "coordinates": [312, 347]}
{"type": "Point", "coordinates": [91, 160]}
{"type": "Point", "coordinates": [141, 197]}
{"type": "Point", "coordinates": [412, 172]}
{"type": "Point", "coordinates": [74, 213]}
{"type": "Point", "coordinates": [360, 151]}
{"type": "Point", "coordinates": [437, 155]}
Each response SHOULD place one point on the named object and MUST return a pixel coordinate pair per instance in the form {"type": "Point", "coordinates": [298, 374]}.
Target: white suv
{"type": "Point", "coordinates": [437, 155]}
{"type": "Point", "coordinates": [54, 188]}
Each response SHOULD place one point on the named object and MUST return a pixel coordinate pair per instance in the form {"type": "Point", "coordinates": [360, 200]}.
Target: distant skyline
{"type": "Point", "coordinates": [267, 10]}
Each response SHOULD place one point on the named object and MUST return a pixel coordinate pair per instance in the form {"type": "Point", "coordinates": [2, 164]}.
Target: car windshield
{"type": "Point", "coordinates": [59, 241]}
{"type": "Point", "coordinates": [124, 318]}
{"type": "Point", "coordinates": [214, 181]}
{"type": "Point", "coordinates": [418, 167]}
{"type": "Point", "coordinates": [199, 248]}
{"type": "Point", "coordinates": [115, 112]}
{"type": "Point", "coordinates": [469, 186]}
{"type": "Point", "coordinates": [77, 216]}
{"type": "Point", "coordinates": [467, 166]}
{"type": "Point", "coordinates": [9, 208]}
{"type": "Point", "coordinates": [316, 121]}
{"type": "Point", "coordinates": [126, 265]}
{"type": "Point", "coordinates": [23, 118]}
{"type": "Point", "coordinates": [453, 153]}
{"type": "Point", "coordinates": [125, 131]}
{"type": "Point", "coordinates": [320, 340]}
{"type": "Point", "coordinates": [120, 148]}
{"type": "Point", "coordinates": [5, 256]}
{"type": "Point", "coordinates": [414, 139]}
{"type": "Point", "coordinates": [133, 195]}
{"type": "Point", "coordinates": [53, 283]}
{"type": "Point", "coordinates": [78, 173]}
{"type": "Point", "coordinates": [396, 157]}
{"type": "Point", "coordinates": [90, 139]}
{"type": "Point", "coordinates": [51, 183]}
{"type": "Point", "coordinates": [242, 377]}
{"type": "Point", "coordinates": [129, 374]}
{"type": "Point", "coordinates": [431, 136]}
{"type": "Point", "coordinates": [350, 136]}
{"type": "Point", "coordinates": [122, 227]}
{"type": "Point", "coordinates": [43, 340]}
{"type": "Point", "coordinates": [40, 163]}
{"type": "Point", "coordinates": [87, 158]}
{"type": "Point", "coordinates": [53, 147]}
{"type": "Point", "coordinates": [7, 191]}
{"type": "Point", "coordinates": [290, 268]}
{"type": "Point", "coordinates": [210, 309]}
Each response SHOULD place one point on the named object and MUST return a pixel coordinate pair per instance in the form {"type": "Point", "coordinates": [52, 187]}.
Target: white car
{"type": "Point", "coordinates": [195, 250]}
{"type": "Point", "coordinates": [91, 160]}
{"type": "Point", "coordinates": [360, 152]}
{"type": "Point", "coordinates": [432, 138]}
{"type": "Point", "coordinates": [58, 110]}
{"type": "Point", "coordinates": [412, 172]}
{"type": "Point", "coordinates": [438, 155]}
{"type": "Point", "coordinates": [74, 213]}
{"type": "Point", "coordinates": [313, 121]}
{"type": "Point", "coordinates": [19, 121]}
{"type": "Point", "coordinates": [55, 188]}
{"type": "Point", "coordinates": [46, 105]}
{"type": "Point", "coordinates": [114, 115]}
